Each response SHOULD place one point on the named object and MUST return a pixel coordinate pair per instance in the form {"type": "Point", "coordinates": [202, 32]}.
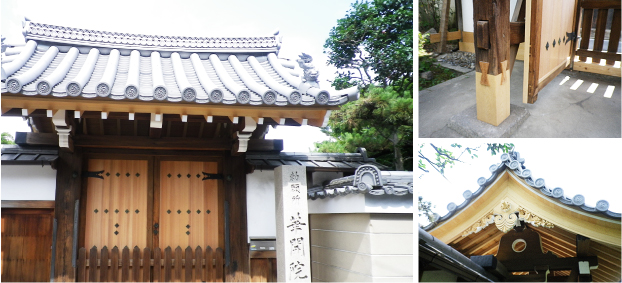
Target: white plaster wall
{"type": "Point", "coordinates": [350, 203]}
{"type": "Point", "coordinates": [260, 209]}
{"type": "Point", "coordinates": [28, 182]}
{"type": "Point", "coordinates": [467, 14]}
{"type": "Point", "coordinates": [389, 204]}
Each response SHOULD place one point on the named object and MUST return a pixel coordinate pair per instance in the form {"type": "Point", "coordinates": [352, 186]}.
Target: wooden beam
{"type": "Point", "coordinates": [68, 185]}
{"type": "Point", "coordinates": [597, 69]}
{"type": "Point", "coordinates": [597, 55]}
{"type": "Point", "coordinates": [36, 139]}
{"type": "Point", "coordinates": [492, 47]}
{"type": "Point", "coordinates": [454, 35]}
{"type": "Point", "coordinates": [238, 267]}
{"type": "Point", "coordinates": [614, 35]}
{"type": "Point", "coordinates": [492, 265]}
{"type": "Point", "coordinates": [607, 4]}
{"type": "Point", "coordinates": [563, 263]}
{"type": "Point", "coordinates": [315, 114]}
{"type": "Point", "coordinates": [139, 142]}
{"type": "Point", "coordinates": [517, 33]}
{"type": "Point", "coordinates": [583, 245]}
{"type": "Point", "coordinates": [265, 145]}
{"type": "Point", "coordinates": [46, 204]}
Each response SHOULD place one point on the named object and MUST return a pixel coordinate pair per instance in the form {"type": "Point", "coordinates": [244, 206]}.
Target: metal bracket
{"type": "Point", "coordinates": [207, 176]}
{"type": "Point", "coordinates": [94, 174]}
{"type": "Point", "coordinates": [570, 36]}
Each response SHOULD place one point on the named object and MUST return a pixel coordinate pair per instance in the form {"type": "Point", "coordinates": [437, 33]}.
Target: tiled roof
{"type": "Point", "coordinates": [513, 162]}
{"type": "Point", "coordinates": [18, 155]}
{"type": "Point", "coordinates": [69, 62]}
{"type": "Point", "coordinates": [329, 161]}
{"type": "Point", "coordinates": [366, 179]}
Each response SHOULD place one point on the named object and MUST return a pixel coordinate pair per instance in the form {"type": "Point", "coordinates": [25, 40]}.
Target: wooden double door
{"type": "Point", "coordinates": [153, 203]}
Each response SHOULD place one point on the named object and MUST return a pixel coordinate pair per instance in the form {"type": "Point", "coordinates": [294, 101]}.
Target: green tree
{"type": "Point", "coordinates": [381, 121]}
{"type": "Point", "coordinates": [374, 43]}
{"type": "Point", "coordinates": [7, 138]}
{"type": "Point", "coordinates": [375, 36]}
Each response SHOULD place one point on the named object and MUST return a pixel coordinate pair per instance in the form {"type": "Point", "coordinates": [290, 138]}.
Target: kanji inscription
{"type": "Point", "coordinates": [293, 256]}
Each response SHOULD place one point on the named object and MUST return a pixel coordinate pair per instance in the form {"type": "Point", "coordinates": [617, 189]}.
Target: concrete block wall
{"type": "Point", "coordinates": [362, 247]}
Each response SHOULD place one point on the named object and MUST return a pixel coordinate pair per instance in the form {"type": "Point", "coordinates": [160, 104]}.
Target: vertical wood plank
{"type": "Point", "coordinates": [534, 50]}
{"type": "Point", "coordinates": [586, 30]}
{"type": "Point", "coordinates": [168, 262]}
{"type": "Point", "coordinates": [178, 264]}
{"type": "Point", "coordinates": [114, 265]}
{"type": "Point", "coordinates": [81, 263]}
{"type": "Point", "coordinates": [209, 265]}
{"type": "Point", "coordinates": [198, 267]}
{"type": "Point", "coordinates": [136, 264]}
{"type": "Point", "coordinates": [68, 164]}
{"type": "Point", "coordinates": [157, 265]}
{"type": "Point", "coordinates": [601, 24]}
{"type": "Point", "coordinates": [188, 265]}
{"type": "Point", "coordinates": [219, 268]}
{"type": "Point", "coordinates": [103, 266]}
{"type": "Point", "coordinates": [93, 264]}
{"type": "Point", "coordinates": [146, 265]}
{"type": "Point", "coordinates": [125, 264]}
{"type": "Point", "coordinates": [614, 35]}
{"type": "Point", "coordinates": [235, 194]}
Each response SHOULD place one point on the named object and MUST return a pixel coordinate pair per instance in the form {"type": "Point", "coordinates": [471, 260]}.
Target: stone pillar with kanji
{"type": "Point", "coordinates": [293, 254]}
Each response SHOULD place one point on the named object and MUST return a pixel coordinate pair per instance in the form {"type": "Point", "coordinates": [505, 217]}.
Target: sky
{"type": "Point", "coordinates": [304, 25]}
{"type": "Point", "coordinates": [590, 167]}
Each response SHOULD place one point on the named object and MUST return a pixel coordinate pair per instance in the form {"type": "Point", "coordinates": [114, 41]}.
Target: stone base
{"type": "Point", "coordinates": [466, 123]}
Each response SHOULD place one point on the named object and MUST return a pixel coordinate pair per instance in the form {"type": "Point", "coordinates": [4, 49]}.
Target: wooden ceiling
{"type": "Point", "coordinates": [557, 240]}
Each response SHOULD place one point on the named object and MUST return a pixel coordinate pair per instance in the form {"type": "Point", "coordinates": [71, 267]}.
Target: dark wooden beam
{"type": "Point", "coordinates": [265, 145]}
{"type": "Point", "coordinates": [139, 142]}
{"type": "Point", "coordinates": [68, 185]}
{"type": "Point", "coordinates": [564, 263]}
{"type": "Point", "coordinates": [238, 267]}
{"type": "Point", "coordinates": [597, 55]}
{"type": "Point", "coordinates": [36, 139]}
{"type": "Point", "coordinates": [517, 32]}
{"type": "Point", "coordinates": [155, 133]}
{"type": "Point", "coordinates": [27, 204]}
{"type": "Point", "coordinates": [606, 4]}
{"type": "Point", "coordinates": [492, 265]}
{"type": "Point", "coordinates": [583, 245]}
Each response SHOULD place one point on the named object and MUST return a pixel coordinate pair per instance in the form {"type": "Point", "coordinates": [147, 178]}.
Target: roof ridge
{"type": "Point", "coordinates": [71, 35]}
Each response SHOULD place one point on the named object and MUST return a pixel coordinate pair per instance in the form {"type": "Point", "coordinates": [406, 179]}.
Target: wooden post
{"type": "Point", "coordinates": [292, 224]}
{"type": "Point", "coordinates": [238, 267]}
{"type": "Point", "coordinates": [68, 185]}
{"type": "Point", "coordinates": [443, 27]}
{"type": "Point", "coordinates": [492, 49]}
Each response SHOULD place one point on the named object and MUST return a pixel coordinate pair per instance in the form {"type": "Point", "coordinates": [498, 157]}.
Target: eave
{"type": "Point", "coordinates": [314, 116]}
{"type": "Point", "coordinates": [508, 187]}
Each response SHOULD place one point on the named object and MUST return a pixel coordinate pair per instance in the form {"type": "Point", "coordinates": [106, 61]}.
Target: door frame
{"type": "Point", "coordinates": [153, 184]}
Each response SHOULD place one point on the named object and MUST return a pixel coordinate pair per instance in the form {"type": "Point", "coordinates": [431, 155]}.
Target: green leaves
{"type": "Point", "coordinates": [375, 36]}
{"type": "Point", "coordinates": [7, 138]}
{"type": "Point", "coordinates": [381, 121]}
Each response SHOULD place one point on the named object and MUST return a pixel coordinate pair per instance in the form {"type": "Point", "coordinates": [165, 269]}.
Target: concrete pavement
{"type": "Point", "coordinates": [559, 112]}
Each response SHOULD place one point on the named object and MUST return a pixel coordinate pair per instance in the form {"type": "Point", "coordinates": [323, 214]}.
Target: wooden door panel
{"type": "Point", "coordinates": [188, 205]}
{"type": "Point", "coordinates": [116, 208]}
{"type": "Point", "coordinates": [26, 246]}
{"type": "Point", "coordinates": [547, 28]}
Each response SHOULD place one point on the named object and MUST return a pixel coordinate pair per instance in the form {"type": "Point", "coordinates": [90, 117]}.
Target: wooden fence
{"type": "Point", "coordinates": [599, 50]}
{"type": "Point", "coordinates": [187, 266]}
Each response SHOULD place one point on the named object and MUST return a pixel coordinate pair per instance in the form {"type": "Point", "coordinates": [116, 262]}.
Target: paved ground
{"type": "Point", "coordinates": [559, 112]}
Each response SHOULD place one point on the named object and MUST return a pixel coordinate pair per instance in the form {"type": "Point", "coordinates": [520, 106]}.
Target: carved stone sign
{"type": "Point", "coordinates": [292, 225]}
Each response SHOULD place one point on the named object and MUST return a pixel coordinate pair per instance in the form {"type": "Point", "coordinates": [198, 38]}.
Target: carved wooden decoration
{"type": "Point", "coordinates": [505, 218]}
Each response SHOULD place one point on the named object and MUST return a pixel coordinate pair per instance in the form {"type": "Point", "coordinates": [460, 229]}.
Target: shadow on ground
{"type": "Point", "coordinates": [559, 112]}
